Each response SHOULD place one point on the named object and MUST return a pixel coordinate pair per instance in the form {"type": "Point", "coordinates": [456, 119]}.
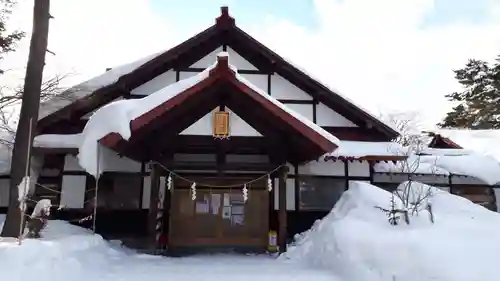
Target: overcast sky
{"type": "Point", "coordinates": [386, 55]}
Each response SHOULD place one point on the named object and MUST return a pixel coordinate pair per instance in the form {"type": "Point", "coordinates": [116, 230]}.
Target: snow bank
{"type": "Point", "coordinates": [356, 241]}
{"type": "Point", "coordinates": [71, 253]}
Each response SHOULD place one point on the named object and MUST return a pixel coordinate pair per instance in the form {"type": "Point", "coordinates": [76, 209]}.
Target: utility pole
{"type": "Point", "coordinates": [29, 114]}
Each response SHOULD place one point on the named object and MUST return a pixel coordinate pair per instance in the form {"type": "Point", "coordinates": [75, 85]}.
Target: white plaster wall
{"type": "Point", "coordinates": [259, 80]}
{"type": "Point", "coordinates": [184, 74]}
{"type": "Point", "coordinates": [306, 110]}
{"type": "Point", "coordinates": [322, 168]}
{"type": "Point", "coordinates": [4, 192]}
{"type": "Point", "coordinates": [71, 163]}
{"type": "Point", "coordinates": [73, 191]}
{"type": "Point", "coordinates": [358, 169]}
{"type": "Point", "coordinates": [155, 84]}
{"type": "Point", "coordinates": [146, 191]}
{"type": "Point", "coordinates": [282, 89]}
{"type": "Point", "coordinates": [290, 194]}
{"type": "Point", "coordinates": [238, 127]}
{"type": "Point", "coordinates": [325, 116]}
{"type": "Point", "coordinates": [234, 59]}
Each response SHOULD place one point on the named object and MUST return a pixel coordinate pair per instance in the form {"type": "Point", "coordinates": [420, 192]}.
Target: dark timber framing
{"type": "Point", "coordinates": [282, 211]}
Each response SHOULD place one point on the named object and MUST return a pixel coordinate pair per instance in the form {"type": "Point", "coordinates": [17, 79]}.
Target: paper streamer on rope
{"type": "Point", "coordinates": [193, 191]}
{"type": "Point", "coordinates": [245, 193]}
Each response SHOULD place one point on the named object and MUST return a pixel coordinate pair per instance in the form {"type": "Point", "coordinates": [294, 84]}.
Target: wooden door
{"type": "Point", "coordinates": [219, 216]}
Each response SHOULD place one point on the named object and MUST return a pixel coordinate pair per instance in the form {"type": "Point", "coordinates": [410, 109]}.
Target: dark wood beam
{"type": "Point", "coordinates": [282, 216]}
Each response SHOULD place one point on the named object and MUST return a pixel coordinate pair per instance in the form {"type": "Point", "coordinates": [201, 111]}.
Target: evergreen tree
{"type": "Point", "coordinates": [8, 40]}
{"type": "Point", "coordinates": [478, 104]}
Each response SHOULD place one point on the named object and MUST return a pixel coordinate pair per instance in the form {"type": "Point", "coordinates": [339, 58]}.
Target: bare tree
{"type": "Point", "coordinates": [11, 98]}
{"type": "Point", "coordinates": [413, 197]}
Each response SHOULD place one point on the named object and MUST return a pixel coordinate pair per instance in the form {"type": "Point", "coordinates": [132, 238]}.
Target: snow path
{"type": "Point", "coordinates": [70, 253]}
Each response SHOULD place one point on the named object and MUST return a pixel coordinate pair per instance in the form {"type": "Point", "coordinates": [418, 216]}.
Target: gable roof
{"type": "Point", "coordinates": [123, 79]}
{"type": "Point", "coordinates": [126, 123]}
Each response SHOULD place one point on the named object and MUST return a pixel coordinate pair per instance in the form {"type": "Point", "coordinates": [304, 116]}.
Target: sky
{"type": "Point", "coordinates": [385, 55]}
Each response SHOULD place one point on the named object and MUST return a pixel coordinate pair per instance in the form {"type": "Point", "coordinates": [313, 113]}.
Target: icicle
{"type": "Point", "coordinates": [193, 191]}
{"type": "Point", "coordinates": [245, 193]}
{"type": "Point", "coordinates": [269, 183]}
{"type": "Point", "coordinates": [169, 181]}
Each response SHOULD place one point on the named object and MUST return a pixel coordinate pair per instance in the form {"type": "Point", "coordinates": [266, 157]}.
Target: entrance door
{"type": "Point", "coordinates": [219, 217]}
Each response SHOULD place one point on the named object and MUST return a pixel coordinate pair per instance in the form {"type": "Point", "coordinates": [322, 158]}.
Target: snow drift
{"type": "Point", "coordinates": [71, 253]}
{"type": "Point", "coordinates": [356, 241]}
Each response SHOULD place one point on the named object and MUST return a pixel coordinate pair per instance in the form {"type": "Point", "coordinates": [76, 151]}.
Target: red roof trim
{"type": "Point", "coordinates": [223, 71]}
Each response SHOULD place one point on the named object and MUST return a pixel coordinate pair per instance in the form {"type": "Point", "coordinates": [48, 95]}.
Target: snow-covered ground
{"type": "Point", "coordinates": [71, 253]}
{"type": "Point", "coordinates": [356, 241]}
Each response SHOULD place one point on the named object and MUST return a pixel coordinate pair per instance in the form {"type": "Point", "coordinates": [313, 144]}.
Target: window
{"type": "Point", "coordinates": [387, 186]}
{"type": "Point", "coordinates": [118, 191]}
{"type": "Point", "coordinates": [320, 193]}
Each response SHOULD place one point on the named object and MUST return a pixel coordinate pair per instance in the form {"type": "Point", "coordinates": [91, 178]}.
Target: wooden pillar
{"type": "Point", "coordinates": [153, 203]}
{"type": "Point", "coordinates": [282, 219]}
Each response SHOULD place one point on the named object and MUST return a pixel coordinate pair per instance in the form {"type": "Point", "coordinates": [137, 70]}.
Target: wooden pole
{"type": "Point", "coordinates": [98, 166]}
{"type": "Point", "coordinates": [29, 113]}
{"type": "Point", "coordinates": [282, 219]}
{"type": "Point", "coordinates": [25, 192]}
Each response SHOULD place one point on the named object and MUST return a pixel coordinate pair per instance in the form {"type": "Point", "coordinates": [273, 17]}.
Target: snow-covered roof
{"type": "Point", "coordinates": [117, 116]}
{"type": "Point", "coordinates": [442, 162]}
{"type": "Point", "coordinates": [485, 142]}
{"type": "Point", "coordinates": [360, 149]}
{"type": "Point", "coordinates": [86, 88]}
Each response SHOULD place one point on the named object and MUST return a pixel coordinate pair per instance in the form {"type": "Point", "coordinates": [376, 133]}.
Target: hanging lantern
{"type": "Point", "coordinates": [193, 191]}
{"type": "Point", "coordinates": [220, 129]}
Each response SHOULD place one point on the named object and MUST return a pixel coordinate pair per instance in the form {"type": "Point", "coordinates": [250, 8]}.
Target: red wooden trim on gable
{"type": "Point", "coordinates": [222, 71]}
{"type": "Point", "coordinates": [438, 141]}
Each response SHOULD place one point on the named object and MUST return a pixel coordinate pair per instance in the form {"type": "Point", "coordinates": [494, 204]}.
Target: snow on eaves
{"type": "Point", "coordinates": [447, 162]}
{"type": "Point", "coordinates": [358, 149]}
{"type": "Point", "coordinates": [58, 141]}
{"type": "Point", "coordinates": [86, 88]}
{"type": "Point", "coordinates": [116, 117]}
